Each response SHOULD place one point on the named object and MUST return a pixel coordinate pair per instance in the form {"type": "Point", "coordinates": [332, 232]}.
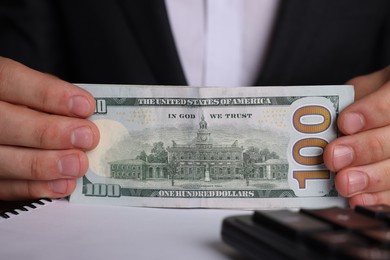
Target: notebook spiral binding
{"type": "Point", "coordinates": [25, 207]}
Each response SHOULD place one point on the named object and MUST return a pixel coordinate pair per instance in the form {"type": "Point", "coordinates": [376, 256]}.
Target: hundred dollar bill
{"type": "Point", "coordinates": [244, 147]}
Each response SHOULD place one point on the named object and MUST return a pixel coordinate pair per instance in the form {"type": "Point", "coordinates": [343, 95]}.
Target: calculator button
{"type": "Point", "coordinates": [289, 222]}
{"type": "Point", "coordinates": [333, 240]}
{"type": "Point", "coordinates": [344, 218]}
{"type": "Point", "coordinates": [367, 253]}
{"type": "Point", "coordinates": [376, 211]}
{"type": "Point", "coordinates": [379, 235]}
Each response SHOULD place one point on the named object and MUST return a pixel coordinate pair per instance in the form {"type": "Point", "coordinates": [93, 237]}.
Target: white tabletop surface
{"type": "Point", "coordinates": [60, 230]}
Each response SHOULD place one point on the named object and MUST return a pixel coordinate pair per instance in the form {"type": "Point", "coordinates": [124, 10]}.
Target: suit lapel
{"type": "Point", "coordinates": [297, 24]}
{"type": "Point", "coordinates": [149, 22]}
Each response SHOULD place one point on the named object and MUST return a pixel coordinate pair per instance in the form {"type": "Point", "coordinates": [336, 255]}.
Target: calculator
{"type": "Point", "coordinates": [329, 233]}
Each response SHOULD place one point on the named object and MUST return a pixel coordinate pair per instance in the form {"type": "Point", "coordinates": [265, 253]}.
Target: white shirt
{"type": "Point", "coordinates": [221, 42]}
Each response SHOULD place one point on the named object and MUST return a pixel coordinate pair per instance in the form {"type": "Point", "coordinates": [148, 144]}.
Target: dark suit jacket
{"type": "Point", "coordinates": [129, 41]}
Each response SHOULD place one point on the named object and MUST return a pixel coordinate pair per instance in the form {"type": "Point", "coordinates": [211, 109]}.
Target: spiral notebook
{"type": "Point", "coordinates": [60, 230]}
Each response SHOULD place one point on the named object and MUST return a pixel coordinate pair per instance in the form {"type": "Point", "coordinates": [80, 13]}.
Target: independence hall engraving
{"type": "Point", "coordinates": [204, 160]}
{"type": "Point", "coordinates": [199, 160]}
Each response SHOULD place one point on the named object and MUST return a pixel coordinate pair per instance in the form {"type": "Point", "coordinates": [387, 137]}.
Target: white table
{"type": "Point", "coordinates": [60, 230]}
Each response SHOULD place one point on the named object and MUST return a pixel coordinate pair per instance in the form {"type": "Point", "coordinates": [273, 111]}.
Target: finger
{"type": "Point", "coordinates": [32, 164]}
{"type": "Point", "coordinates": [369, 83]}
{"type": "Point", "coordinates": [369, 112]}
{"type": "Point", "coordinates": [24, 86]}
{"type": "Point", "coordinates": [29, 128]}
{"type": "Point", "coordinates": [364, 179]}
{"type": "Point", "coordinates": [368, 199]}
{"type": "Point", "coordinates": [359, 149]}
{"type": "Point", "coordinates": [22, 190]}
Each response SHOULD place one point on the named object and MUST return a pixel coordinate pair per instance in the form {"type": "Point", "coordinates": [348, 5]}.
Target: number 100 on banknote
{"type": "Point", "coordinates": [242, 147]}
{"type": "Point", "coordinates": [313, 126]}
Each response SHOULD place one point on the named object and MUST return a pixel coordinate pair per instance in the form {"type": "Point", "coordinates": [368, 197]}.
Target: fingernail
{"type": "Point", "coordinates": [342, 156]}
{"type": "Point", "coordinates": [59, 186]}
{"type": "Point", "coordinates": [357, 181]}
{"type": "Point", "coordinates": [353, 122]}
{"type": "Point", "coordinates": [80, 106]}
{"type": "Point", "coordinates": [69, 165]}
{"type": "Point", "coordinates": [82, 137]}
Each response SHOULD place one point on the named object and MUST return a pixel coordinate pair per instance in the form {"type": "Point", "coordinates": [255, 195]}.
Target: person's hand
{"type": "Point", "coordinates": [43, 133]}
{"type": "Point", "coordinates": [361, 158]}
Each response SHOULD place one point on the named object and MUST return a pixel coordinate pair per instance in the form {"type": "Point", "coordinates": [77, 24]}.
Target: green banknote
{"type": "Point", "coordinates": [242, 147]}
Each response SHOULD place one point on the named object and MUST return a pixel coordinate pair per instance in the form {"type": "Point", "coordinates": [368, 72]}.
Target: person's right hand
{"type": "Point", "coordinates": [43, 133]}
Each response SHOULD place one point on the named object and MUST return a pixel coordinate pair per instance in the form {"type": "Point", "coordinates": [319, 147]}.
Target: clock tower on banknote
{"type": "Point", "coordinates": [203, 135]}
{"type": "Point", "coordinates": [203, 141]}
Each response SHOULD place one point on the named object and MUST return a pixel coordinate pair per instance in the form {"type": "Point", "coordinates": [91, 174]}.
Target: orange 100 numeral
{"type": "Point", "coordinates": [308, 143]}
{"type": "Point", "coordinates": [302, 176]}
{"type": "Point", "coordinates": [311, 111]}
{"type": "Point", "coordinates": [310, 128]}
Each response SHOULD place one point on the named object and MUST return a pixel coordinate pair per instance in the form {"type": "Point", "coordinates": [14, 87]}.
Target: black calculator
{"type": "Point", "coordinates": [330, 233]}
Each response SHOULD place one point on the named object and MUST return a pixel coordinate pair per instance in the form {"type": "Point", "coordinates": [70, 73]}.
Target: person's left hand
{"type": "Point", "coordinates": [361, 158]}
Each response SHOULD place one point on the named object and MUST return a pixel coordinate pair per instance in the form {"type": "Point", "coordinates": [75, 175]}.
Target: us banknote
{"type": "Point", "coordinates": [244, 147]}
